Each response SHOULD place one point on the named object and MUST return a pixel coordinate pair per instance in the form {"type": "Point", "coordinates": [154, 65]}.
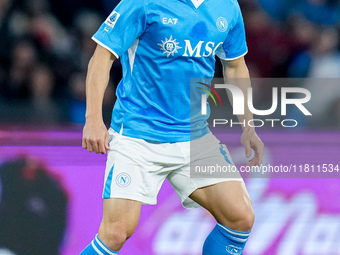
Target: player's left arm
{"type": "Point", "coordinates": [238, 71]}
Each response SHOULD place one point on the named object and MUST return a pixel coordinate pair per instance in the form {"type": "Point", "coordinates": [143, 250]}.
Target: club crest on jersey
{"type": "Point", "coordinates": [222, 24]}
{"type": "Point", "coordinates": [112, 19]}
{"type": "Point", "coordinates": [169, 46]}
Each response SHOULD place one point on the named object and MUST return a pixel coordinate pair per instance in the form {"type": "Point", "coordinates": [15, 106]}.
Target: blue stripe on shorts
{"type": "Point", "coordinates": [107, 189]}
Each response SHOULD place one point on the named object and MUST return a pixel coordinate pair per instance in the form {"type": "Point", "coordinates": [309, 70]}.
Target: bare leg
{"type": "Point", "coordinates": [229, 203]}
{"type": "Point", "coordinates": [120, 219]}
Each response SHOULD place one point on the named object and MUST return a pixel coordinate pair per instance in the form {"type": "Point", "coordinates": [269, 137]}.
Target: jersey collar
{"type": "Point", "coordinates": [197, 3]}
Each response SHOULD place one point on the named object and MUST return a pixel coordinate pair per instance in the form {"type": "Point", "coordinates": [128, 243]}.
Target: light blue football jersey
{"type": "Point", "coordinates": [162, 45]}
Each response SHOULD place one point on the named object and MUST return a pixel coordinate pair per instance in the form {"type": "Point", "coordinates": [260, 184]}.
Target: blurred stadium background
{"type": "Point", "coordinates": [50, 188]}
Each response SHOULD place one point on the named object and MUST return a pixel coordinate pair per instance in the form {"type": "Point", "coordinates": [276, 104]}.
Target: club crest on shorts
{"type": "Point", "coordinates": [222, 24]}
{"type": "Point", "coordinates": [123, 180]}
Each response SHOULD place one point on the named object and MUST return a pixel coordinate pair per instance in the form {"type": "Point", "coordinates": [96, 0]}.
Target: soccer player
{"type": "Point", "coordinates": [162, 44]}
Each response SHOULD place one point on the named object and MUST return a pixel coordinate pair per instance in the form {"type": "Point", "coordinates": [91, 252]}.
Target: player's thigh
{"type": "Point", "coordinates": [227, 201]}
{"type": "Point", "coordinates": [121, 213]}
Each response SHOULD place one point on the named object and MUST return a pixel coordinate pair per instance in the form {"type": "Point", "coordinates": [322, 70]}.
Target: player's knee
{"type": "Point", "coordinates": [244, 220]}
{"type": "Point", "coordinates": [115, 234]}
{"type": "Point", "coordinates": [118, 234]}
{"type": "Point", "coordinates": [240, 218]}
{"type": "Point", "coordinates": [248, 220]}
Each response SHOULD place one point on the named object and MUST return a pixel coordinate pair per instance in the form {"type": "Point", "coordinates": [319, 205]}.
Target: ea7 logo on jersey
{"type": "Point", "coordinates": [169, 21]}
{"type": "Point", "coordinates": [112, 19]}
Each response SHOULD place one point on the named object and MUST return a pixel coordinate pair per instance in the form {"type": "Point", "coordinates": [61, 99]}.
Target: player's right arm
{"type": "Point", "coordinates": [95, 134]}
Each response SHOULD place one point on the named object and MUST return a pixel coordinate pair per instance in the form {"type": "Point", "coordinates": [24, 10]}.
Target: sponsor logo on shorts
{"type": "Point", "coordinates": [123, 180]}
{"type": "Point", "coordinates": [112, 19]}
{"type": "Point", "coordinates": [222, 24]}
{"type": "Point", "coordinates": [232, 249]}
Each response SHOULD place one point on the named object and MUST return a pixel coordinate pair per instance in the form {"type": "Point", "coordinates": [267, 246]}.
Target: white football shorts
{"type": "Point", "coordinates": [136, 169]}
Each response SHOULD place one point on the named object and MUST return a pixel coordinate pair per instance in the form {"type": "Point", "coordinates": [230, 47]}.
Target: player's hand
{"type": "Point", "coordinates": [250, 140]}
{"type": "Point", "coordinates": [95, 137]}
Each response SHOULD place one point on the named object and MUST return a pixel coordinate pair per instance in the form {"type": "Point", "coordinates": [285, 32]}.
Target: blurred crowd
{"type": "Point", "coordinates": [297, 39]}
{"type": "Point", "coordinates": [45, 47]}
{"type": "Point", "coordinates": [293, 38]}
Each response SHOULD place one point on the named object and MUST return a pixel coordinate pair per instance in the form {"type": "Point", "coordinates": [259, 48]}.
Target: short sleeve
{"type": "Point", "coordinates": [122, 27]}
{"type": "Point", "coordinates": [235, 45]}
